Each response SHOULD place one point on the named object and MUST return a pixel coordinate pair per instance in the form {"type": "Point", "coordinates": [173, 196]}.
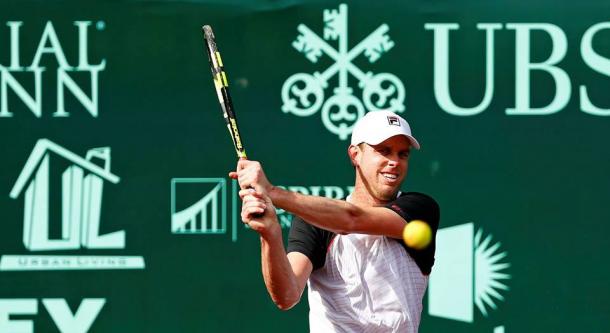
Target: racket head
{"type": "Point", "coordinates": [221, 85]}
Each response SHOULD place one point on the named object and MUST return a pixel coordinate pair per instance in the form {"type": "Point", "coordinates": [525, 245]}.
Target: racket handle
{"type": "Point", "coordinates": [257, 215]}
{"type": "Point", "coordinates": [252, 188]}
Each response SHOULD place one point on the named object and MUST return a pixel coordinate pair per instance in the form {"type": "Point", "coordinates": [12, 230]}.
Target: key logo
{"type": "Point", "coordinates": [303, 93]}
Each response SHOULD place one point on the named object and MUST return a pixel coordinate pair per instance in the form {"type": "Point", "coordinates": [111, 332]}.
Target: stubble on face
{"type": "Point", "coordinates": [381, 170]}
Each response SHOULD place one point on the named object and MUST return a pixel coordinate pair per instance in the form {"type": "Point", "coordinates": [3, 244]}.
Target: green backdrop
{"type": "Point", "coordinates": [143, 236]}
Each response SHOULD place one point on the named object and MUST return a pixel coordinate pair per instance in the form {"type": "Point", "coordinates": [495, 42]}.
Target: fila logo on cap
{"type": "Point", "coordinates": [393, 121]}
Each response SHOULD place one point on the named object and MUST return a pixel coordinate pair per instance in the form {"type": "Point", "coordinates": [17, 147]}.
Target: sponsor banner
{"type": "Point", "coordinates": [105, 107]}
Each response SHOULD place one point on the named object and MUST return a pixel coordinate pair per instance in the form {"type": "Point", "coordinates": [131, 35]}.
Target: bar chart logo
{"type": "Point", "coordinates": [469, 271]}
{"type": "Point", "coordinates": [82, 184]}
{"type": "Point", "coordinates": [199, 205]}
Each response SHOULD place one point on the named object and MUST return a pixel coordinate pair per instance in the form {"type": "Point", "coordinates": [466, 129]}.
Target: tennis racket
{"type": "Point", "coordinates": [222, 90]}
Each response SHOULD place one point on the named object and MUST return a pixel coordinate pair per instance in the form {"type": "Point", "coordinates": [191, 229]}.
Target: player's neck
{"type": "Point", "coordinates": [362, 196]}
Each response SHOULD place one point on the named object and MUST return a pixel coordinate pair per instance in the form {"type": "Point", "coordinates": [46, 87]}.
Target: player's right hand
{"type": "Point", "coordinates": [250, 174]}
{"type": "Point", "coordinates": [258, 212]}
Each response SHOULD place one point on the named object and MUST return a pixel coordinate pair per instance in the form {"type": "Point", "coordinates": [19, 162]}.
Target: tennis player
{"type": "Point", "coordinates": [361, 277]}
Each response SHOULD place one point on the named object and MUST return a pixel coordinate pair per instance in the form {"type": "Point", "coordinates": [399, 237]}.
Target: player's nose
{"type": "Point", "coordinates": [393, 159]}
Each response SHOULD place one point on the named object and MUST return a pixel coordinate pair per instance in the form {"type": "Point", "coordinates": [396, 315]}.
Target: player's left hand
{"type": "Point", "coordinates": [257, 211]}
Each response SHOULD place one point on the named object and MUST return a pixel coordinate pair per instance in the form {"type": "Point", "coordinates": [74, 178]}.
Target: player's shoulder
{"type": "Point", "coordinates": [417, 206]}
{"type": "Point", "coordinates": [302, 227]}
{"type": "Point", "coordinates": [417, 197]}
{"type": "Point", "coordinates": [309, 240]}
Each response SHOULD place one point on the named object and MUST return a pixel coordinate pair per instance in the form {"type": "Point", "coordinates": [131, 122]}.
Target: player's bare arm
{"type": "Point", "coordinates": [380, 169]}
{"type": "Point", "coordinates": [337, 215]}
{"type": "Point", "coordinates": [285, 275]}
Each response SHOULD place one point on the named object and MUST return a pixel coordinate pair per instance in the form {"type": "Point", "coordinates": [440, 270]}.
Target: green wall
{"type": "Point", "coordinates": [526, 166]}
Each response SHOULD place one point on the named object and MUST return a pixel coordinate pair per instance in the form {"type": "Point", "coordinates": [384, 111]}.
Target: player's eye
{"type": "Point", "coordinates": [383, 151]}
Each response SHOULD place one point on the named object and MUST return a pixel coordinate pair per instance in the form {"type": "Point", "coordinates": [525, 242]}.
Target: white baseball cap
{"type": "Point", "coordinates": [378, 126]}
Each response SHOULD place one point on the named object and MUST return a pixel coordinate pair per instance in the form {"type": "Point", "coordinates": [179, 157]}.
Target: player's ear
{"type": "Point", "coordinates": [354, 152]}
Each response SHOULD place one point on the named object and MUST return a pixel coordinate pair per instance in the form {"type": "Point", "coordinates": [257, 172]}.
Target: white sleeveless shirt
{"type": "Point", "coordinates": [368, 284]}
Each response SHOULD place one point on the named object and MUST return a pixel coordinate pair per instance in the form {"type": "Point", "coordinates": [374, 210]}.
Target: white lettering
{"type": "Point", "coordinates": [50, 35]}
{"type": "Point", "coordinates": [57, 308]}
{"type": "Point", "coordinates": [334, 192]}
{"type": "Point", "coordinates": [523, 67]}
{"type": "Point", "coordinates": [10, 307]}
{"type": "Point", "coordinates": [81, 321]}
{"type": "Point", "coordinates": [441, 67]}
{"type": "Point", "coordinates": [83, 48]}
{"type": "Point", "coordinates": [14, 26]}
{"type": "Point", "coordinates": [597, 63]}
{"type": "Point", "coordinates": [49, 43]}
{"type": "Point", "coordinates": [91, 104]}
{"type": "Point", "coordinates": [33, 103]}
{"type": "Point", "coordinates": [299, 189]}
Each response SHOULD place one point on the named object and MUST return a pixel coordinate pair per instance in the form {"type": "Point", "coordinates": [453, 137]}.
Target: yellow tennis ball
{"type": "Point", "coordinates": [417, 234]}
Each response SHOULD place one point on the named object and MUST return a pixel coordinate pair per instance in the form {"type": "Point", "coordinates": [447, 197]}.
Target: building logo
{"type": "Point", "coordinates": [82, 184]}
{"type": "Point", "coordinates": [469, 271]}
{"type": "Point", "coordinates": [303, 93]}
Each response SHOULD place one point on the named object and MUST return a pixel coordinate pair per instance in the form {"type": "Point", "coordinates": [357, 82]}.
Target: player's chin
{"type": "Point", "coordinates": [388, 193]}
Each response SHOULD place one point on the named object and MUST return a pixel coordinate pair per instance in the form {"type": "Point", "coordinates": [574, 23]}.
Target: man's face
{"type": "Point", "coordinates": [383, 167]}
